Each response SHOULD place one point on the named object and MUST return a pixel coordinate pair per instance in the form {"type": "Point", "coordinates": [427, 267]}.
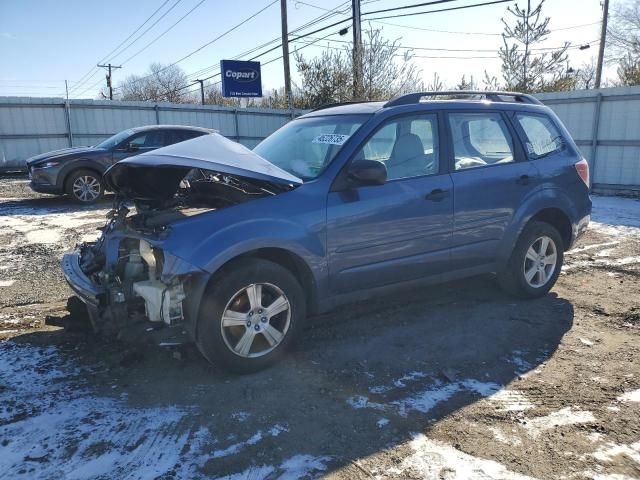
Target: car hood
{"type": "Point", "coordinates": [157, 174]}
{"type": "Point", "coordinates": [64, 152]}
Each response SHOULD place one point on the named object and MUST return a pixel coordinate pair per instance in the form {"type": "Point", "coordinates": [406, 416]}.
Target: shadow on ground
{"type": "Point", "coordinates": [411, 360]}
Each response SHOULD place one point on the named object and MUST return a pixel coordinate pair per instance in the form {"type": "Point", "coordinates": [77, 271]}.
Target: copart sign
{"type": "Point", "coordinates": [241, 78]}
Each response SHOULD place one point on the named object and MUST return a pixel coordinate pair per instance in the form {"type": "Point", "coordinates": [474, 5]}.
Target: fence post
{"type": "Point", "coordinates": [157, 110]}
{"type": "Point", "coordinates": [67, 117]}
{"type": "Point", "coordinates": [594, 135]}
{"type": "Point", "coordinates": [237, 125]}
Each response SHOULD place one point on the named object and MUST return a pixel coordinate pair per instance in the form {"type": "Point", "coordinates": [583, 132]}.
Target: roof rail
{"type": "Point", "coordinates": [494, 96]}
{"type": "Point", "coordinates": [337, 104]}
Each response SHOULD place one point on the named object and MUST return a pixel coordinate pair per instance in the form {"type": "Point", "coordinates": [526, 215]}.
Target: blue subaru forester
{"type": "Point", "coordinates": [237, 247]}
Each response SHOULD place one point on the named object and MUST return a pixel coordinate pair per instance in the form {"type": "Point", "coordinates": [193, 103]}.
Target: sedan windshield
{"type": "Point", "coordinates": [114, 140]}
{"type": "Point", "coordinates": [306, 146]}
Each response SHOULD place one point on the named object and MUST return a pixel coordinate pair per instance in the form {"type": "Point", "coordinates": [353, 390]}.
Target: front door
{"type": "Point", "coordinates": [384, 234]}
{"type": "Point", "coordinates": [491, 177]}
{"type": "Point", "coordinates": [139, 143]}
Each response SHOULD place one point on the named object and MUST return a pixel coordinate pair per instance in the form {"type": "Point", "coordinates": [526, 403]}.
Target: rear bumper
{"type": "Point", "coordinates": [89, 292]}
{"type": "Point", "coordinates": [578, 229]}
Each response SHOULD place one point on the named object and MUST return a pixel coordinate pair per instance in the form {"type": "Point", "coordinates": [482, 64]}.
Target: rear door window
{"type": "Point", "coordinates": [480, 139]}
{"type": "Point", "coordinates": [543, 137]}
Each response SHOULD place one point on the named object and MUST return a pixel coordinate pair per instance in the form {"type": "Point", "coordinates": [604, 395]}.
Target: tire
{"type": "Point", "coordinates": [85, 186]}
{"type": "Point", "coordinates": [527, 259]}
{"type": "Point", "coordinates": [224, 342]}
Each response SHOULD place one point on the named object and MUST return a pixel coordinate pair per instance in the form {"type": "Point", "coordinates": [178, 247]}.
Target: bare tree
{"type": "Point", "coordinates": [628, 71]}
{"type": "Point", "coordinates": [623, 31]}
{"type": "Point", "coordinates": [436, 84]}
{"type": "Point", "coordinates": [160, 83]}
{"type": "Point", "coordinates": [465, 84]}
{"type": "Point", "coordinates": [586, 76]}
{"type": "Point", "coordinates": [387, 72]}
{"type": "Point", "coordinates": [524, 69]}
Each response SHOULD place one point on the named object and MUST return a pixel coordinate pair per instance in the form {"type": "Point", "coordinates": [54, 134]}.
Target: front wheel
{"type": "Point", "coordinates": [85, 186]}
{"type": "Point", "coordinates": [535, 262]}
{"type": "Point", "coordinates": [250, 314]}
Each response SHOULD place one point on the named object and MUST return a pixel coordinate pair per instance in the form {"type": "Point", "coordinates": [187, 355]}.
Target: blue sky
{"type": "Point", "coordinates": [44, 42]}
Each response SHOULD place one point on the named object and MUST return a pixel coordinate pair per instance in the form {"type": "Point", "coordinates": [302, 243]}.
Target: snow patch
{"type": "Point", "coordinates": [633, 396]}
{"type": "Point", "coordinates": [610, 451]}
{"type": "Point", "coordinates": [294, 468]}
{"type": "Point", "coordinates": [566, 416]}
{"type": "Point", "coordinates": [433, 459]}
{"type": "Point", "coordinates": [6, 283]}
{"type": "Point", "coordinates": [502, 437]}
{"type": "Point", "coordinates": [382, 422]}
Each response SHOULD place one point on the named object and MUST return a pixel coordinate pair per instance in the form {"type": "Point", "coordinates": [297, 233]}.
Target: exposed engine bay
{"type": "Point", "coordinates": [133, 275]}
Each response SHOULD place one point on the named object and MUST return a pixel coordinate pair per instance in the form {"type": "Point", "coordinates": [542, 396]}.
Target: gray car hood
{"type": "Point", "coordinates": [158, 173]}
{"type": "Point", "coordinates": [64, 152]}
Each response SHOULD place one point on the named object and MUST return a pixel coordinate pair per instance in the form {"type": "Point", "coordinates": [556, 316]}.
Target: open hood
{"type": "Point", "coordinates": [157, 174]}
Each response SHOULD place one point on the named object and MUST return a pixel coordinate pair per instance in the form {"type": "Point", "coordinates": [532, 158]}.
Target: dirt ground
{"type": "Point", "coordinates": [457, 381]}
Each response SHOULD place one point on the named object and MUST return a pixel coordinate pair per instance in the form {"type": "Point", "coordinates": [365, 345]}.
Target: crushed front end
{"type": "Point", "coordinates": [125, 276]}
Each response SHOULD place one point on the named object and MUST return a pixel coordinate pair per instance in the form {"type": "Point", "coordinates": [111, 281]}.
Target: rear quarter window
{"type": "Point", "coordinates": [542, 136]}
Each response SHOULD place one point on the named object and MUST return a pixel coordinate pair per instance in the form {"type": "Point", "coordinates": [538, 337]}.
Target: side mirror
{"type": "Point", "coordinates": [132, 147]}
{"type": "Point", "coordinates": [368, 172]}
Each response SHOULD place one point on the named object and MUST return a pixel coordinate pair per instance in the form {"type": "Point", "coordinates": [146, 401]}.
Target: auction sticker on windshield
{"type": "Point", "coordinates": [331, 139]}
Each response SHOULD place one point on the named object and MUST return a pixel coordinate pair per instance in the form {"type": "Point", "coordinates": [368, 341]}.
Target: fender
{"type": "Point", "coordinates": [222, 242]}
{"type": "Point", "coordinates": [69, 167]}
{"type": "Point", "coordinates": [539, 200]}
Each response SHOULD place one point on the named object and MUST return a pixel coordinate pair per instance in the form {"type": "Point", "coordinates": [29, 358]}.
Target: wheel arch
{"type": "Point", "coordinates": [287, 259]}
{"type": "Point", "coordinates": [558, 219]}
{"type": "Point", "coordinates": [66, 174]}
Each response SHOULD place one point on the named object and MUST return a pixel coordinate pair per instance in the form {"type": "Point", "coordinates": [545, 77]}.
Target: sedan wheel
{"type": "Point", "coordinates": [86, 188]}
{"type": "Point", "coordinates": [256, 320]}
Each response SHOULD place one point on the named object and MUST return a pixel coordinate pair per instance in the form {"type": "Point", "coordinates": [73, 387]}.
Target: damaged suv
{"type": "Point", "coordinates": [236, 247]}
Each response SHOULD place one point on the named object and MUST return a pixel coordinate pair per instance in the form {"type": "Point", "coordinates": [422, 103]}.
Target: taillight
{"type": "Point", "coordinates": [582, 167]}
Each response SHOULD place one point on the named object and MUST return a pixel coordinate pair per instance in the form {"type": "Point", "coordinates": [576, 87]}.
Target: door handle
{"type": "Point", "coordinates": [523, 180]}
{"type": "Point", "coordinates": [437, 195]}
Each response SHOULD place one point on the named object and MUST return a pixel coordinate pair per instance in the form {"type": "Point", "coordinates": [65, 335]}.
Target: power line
{"type": "Point", "coordinates": [415, 5]}
{"type": "Point", "coordinates": [479, 50]}
{"type": "Point", "coordinates": [77, 85]}
{"type": "Point", "coordinates": [495, 2]}
{"type": "Point", "coordinates": [163, 33]}
{"type": "Point", "coordinates": [226, 32]}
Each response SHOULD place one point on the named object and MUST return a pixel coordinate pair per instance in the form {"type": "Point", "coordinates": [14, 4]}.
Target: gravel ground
{"type": "Point", "coordinates": [457, 381]}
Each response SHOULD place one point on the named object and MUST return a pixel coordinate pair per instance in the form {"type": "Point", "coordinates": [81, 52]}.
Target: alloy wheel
{"type": "Point", "coordinates": [86, 188]}
{"type": "Point", "coordinates": [256, 320]}
{"type": "Point", "coordinates": [540, 262]}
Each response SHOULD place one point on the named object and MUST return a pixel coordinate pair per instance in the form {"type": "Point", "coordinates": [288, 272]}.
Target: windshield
{"type": "Point", "coordinates": [111, 142]}
{"type": "Point", "coordinates": [306, 146]}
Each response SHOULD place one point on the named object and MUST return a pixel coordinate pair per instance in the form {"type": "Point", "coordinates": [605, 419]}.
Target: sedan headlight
{"type": "Point", "coordinates": [48, 164]}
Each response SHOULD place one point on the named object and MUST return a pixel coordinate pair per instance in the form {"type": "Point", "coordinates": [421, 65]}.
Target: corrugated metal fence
{"type": "Point", "coordinates": [29, 126]}
{"type": "Point", "coordinates": [605, 123]}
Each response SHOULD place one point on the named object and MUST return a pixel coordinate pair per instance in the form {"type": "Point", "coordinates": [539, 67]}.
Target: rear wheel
{"type": "Point", "coordinates": [250, 315]}
{"type": "Point", "coordinates": [535, 262]}
{"type": "Point", "coordinates": [85, 186]}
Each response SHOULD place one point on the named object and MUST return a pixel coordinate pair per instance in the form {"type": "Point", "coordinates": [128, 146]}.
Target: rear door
{"type": "Point", "coordinates": [384, 234]}
{"type": "Point", "coordinates": [491, 177]}
{"type": "Point", "coordinates": [180, 135]}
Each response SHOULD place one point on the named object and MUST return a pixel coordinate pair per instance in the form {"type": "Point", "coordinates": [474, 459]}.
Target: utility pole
{"type": "Point", "coordinates": [201, 90]}
{"type": "Point", "coordinates": [357, 49]}
{"type": "Point", "coordinates": [285, 53]}
{"type": "Point", "coordinates": [109, 82]}
{"type": "Point", "coordinates": [603, 39]}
